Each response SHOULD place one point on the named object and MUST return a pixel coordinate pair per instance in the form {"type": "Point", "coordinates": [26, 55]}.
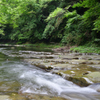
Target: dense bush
{"type": "Point", "coordinates": [62, 21]}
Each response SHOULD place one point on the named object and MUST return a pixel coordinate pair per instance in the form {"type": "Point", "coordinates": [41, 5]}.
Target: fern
{"type": "Point", "coordinates": [48, 30]}
{"type": "Point", "coordinates": [97, 24]}
{"type": "Point", "coordinates": [1, 32]}
{"type": "Point", "coordinates": [54, 20]}
{"type": "Point", "coordinates": [55, 13]}
{"type": "Point", "coordinates": [70, 14]}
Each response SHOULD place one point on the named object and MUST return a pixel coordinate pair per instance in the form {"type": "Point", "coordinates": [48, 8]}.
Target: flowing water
{"type": "Point", "coordinates": [17, 76]}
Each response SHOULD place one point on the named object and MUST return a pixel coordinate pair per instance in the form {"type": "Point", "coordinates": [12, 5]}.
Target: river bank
{"type": "Point", "coordinates": [60, 48]}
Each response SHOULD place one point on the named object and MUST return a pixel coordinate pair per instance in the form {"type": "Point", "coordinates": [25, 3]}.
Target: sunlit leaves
{"type": "Point", "coordinates": [97, 24]}
{"type": "Point", "coordinates": [55, 13]}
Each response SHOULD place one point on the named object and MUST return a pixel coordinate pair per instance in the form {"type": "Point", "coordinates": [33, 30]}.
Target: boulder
{"type": "Point", "coordinates": [94, 77]}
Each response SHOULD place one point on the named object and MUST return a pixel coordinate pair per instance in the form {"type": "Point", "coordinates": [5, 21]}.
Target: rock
{"type": "Point", "coordinates": [63, 66]}
{"type": "Point", "coordinates": [15, 96]}
{"type": "Point", "coordinates": [40, 65]}
{"type": "Point", "coordinates": [86, 72]}
{"type": "Point", "coordinates": [94, 77]}
{"type": "Point", "coordinates": [79, 81]}
{"type": "Point", "coordinates": [97, 67]}
{"type": "Point", "coordinates": [62, 49]}
{"type": "Point", "coordinates": [93, 62]}
{"type": "Point", "coordinates": [72, 66]}
{"type": "Point", "coordinates": [42, 97]}
{"type": "Point", "coordinates": [8, 86]}
{"type": "Point", "coordinates": [68, 57]}
{"type": "Point", "coordinates": [85, 80]}
{"type": "Point", "coordinates": [4, 97]}
{"type": "Point", "coordinates": [77, 61]}
{"type": "Point", "coordinates": [98, 90]}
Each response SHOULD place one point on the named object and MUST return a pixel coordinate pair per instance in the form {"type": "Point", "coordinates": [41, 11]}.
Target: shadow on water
{"type": "Point", "coordinates": [27, 48]}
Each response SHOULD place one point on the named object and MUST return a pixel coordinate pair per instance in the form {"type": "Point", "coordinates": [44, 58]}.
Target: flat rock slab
{"type": "Point", "coordinates": [89, 57]}
{"type": "Point", "coordinates": [85, 80]}
{"type": "Point", "coordinates": [63, 66]}
{"type": "Point", "coordinates": [12, 96]}
{"type": "Point", "coordinates": [77, 61]}
{"type": "Point", "coordinates": [4, 97]}
{"type": "Point", "coordinates": [81, 61]}
{"type": "Point", "coordinates": [94, 77]}
{"type": "Point", "coordinates": [72, 66]}
{"type": "Point", "coordinates": [97, 67]}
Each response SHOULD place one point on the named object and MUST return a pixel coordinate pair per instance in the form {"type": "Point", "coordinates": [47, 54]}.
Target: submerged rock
{"type": "Point", "coordinates": [8, 86]}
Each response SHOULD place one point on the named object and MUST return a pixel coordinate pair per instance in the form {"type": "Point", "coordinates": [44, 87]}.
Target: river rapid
{"type": "Point", "coordinates": [21, 81]}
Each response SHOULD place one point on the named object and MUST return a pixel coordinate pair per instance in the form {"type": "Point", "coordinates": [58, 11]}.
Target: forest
{"type": "Point", "coordinates": [69, 22]}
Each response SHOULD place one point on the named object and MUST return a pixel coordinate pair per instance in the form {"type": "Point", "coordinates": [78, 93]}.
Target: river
{"type": "Point", "coordinates": [21, 81]}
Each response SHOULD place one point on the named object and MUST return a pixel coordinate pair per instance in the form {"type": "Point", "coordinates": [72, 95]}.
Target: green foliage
{"type": "Point", "coordinates": [1, 29]}
{"type": "Point", "coordinates": [1, 32]}
{"type": "Point", "coordinates": [91, 18]}
{"type": "Point", "coordinates": [49, 20]}
{"type": "Point", "coordinates": [49, 28]}
{"type": "Point", "coordinates": [55, 13]}
{"type": "Point", "coordinates": [54, 21]}
{"type": "Point", "coordinates": [74, 32]}
{"type": "Point", "coordinates": [24, 17]}
{"type": "Point", "coordinates": [86, 49]}
{"type": "Point", "coordinates": [92, 15]}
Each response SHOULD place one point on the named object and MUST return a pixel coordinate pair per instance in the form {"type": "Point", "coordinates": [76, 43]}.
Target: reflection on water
{"type": "Point", "coordinates": [16, 75]}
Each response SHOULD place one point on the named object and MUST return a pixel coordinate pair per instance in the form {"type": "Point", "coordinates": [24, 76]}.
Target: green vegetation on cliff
{"type": "Point", "coordinates": [70, 22]}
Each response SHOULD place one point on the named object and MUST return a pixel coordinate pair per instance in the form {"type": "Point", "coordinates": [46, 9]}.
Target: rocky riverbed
{"type": "Point", "coordinates": [82, 69]}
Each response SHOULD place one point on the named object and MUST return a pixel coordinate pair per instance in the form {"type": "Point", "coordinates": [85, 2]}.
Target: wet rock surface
{"type": "Point", "coordinates": [75, 67]}
{"type": "Point", "coordinates": [42, 97]}
{"type": "Point", "coordinates": [12, 96]}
